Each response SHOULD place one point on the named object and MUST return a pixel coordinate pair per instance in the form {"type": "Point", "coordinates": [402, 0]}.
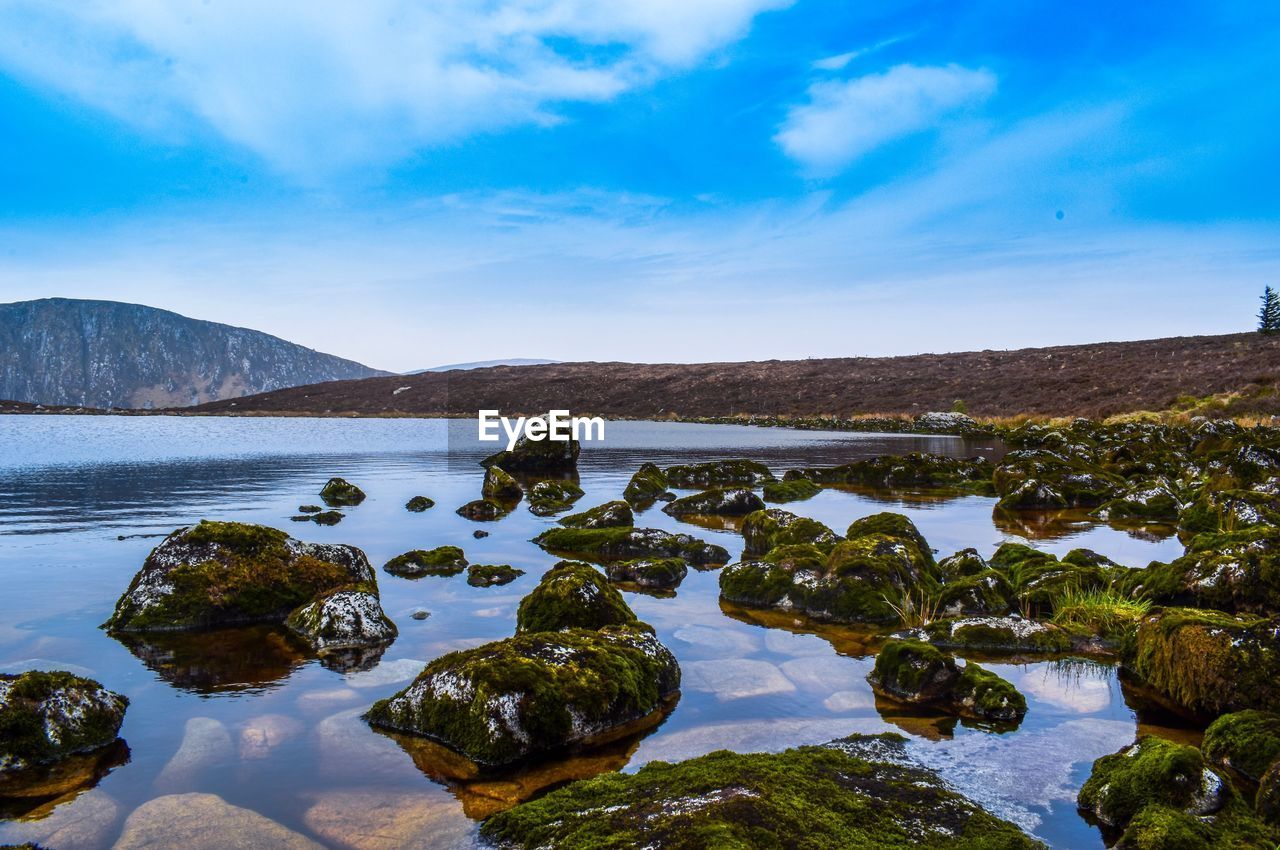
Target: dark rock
{"type": "Point", "coordinates": [572, 595]}
{"type": "Point", "coordinates": [767, 529]}
{"type": "Point", "coordinates": [552, 497]}
{"type": "Point", "coordinates": [479, 534]}
{"type": "Point", "coordinates": [649, 573]}
{"type": "Point", "coordinates": [489, 575]}
{"type": "Point", "coordinates": [608, 515]}
{"type": "Point", "coordinates": [914, 672]}
{"type": "Point", "coordinates": [790, 490]}
{"type": "Point", "coordinates": [440, 561]}
{"type": "Point", "coordinates": [538, 456]}
{"type": "Point", "coordinates": [625, 544]}
{"type": "Point", "coordinates": [1237, 571]}
{"type": "Point", "coordinates": [418, 504]}
{"type": "Point", "coordinates": [716, 502]}
{"type": "Point", "coordinates": [498, 486]}
{"type": "Point", "coordinates": [646, 486]}
{"type": "Point", "coordinates": [338, 492]}
{"type": "Point", "coordinates": [718, 473]}
{"type": "Point", "coordinates": [483, 510]}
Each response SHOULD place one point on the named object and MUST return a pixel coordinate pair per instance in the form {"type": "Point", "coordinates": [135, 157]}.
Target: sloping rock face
{"type": "Point", "coordinates": [47, 717]}
{"type": "Point", "coordinates": [108, 354]}
{"type": "Point", "coordinates": [860, 792]}
{"type": "Point", "coordinates": [535, 693]}
{"type": "Point", "coordinates": [223, 573]}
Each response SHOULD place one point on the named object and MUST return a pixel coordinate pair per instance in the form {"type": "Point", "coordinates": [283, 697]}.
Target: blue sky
{"type": "Point", "coordinates": [412, 184]}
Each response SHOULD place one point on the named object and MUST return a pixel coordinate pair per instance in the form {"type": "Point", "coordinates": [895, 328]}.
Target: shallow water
{"type": "Point", "coordinates": [249, 717]}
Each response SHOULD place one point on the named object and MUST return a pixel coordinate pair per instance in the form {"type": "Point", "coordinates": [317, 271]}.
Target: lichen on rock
{"type": "Point", "coordinates": [491, 575]}
{"type": "Point", "coordinates": [553, 496]}
{"type": "Point", "coordinates": [572, 595]}
{"type": "Point", "coordinates": [609, 515]}
{"type": "Point", "coordinates": [648, 573]}
{"type": "Point", "coordinates": [790, 490]}
{"type": "Point", "coordinates": [343, 618]}
{"type": "Point", "coordinates": [716, 502]}
{"type": "Point", "coordinates": [646, 486]}
{"type": "Point", "coordinates": [718, 473]}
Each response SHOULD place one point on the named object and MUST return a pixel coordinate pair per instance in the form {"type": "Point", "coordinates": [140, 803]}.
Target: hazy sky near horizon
{"type": "Point", "coordinates": [409, 184]}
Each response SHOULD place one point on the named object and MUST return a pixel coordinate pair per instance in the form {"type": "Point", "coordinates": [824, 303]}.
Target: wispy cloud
{"type": "Point", "coordinates": [844, 119]}
{"type": "Point", "coordinates": [316, 85]}
{"type": "Point", "coordinates": [841, 60]}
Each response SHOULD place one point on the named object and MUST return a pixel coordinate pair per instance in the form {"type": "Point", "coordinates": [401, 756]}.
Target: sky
{"type": "Point", "coordinates": [410, 184]}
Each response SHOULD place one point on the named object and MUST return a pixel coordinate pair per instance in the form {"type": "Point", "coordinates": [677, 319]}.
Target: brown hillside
{"type": "Point", "coordinates": [1093, 380]}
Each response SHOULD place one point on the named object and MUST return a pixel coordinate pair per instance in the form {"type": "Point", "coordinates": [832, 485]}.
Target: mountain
{"type": "Point", "coordinates": [485, 364]}
{"type": "Point", "coordinates": [1075, 380]}
{"type": "Point", "coordinates": [63, 351]}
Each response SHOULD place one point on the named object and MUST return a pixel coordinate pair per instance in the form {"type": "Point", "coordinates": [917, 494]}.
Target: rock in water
{"type": "Point", "coordinates": [791, 490]}
{"type": "Point", "coordinates": [490, 575]}
{"type": "Point", "coordinates": [764, 530]}
{"type": "Point", "coordinates": [536, 692]}
{"type": "Point", "coordinates": [572, 595]}
{"type": "Point", "coordinates": [229, 573]}
{"type": "Point", "coordinates": [500, 486]}
{"type": "Point", "coordinates": [483, 510]}
{"type": "Point", "coordinates": [718, 473]}
{"type": "Point", "coordinates": [339, 492]}
{"type": "Point", "coordinates": [623, 544]}
{"type": "Point", "coordinates": [344, 618]}
{"type": "Point", "coordinates": [608, 515]}
{"type": "Point", "coordinates": [1245, 741]}
{"type": "Point", "coordinates": [204, 822]}
{"type": "Point", "coordinates": [418, 504]}
{"type": "Point", "coordinates": [862, 792]}
{"type": "Point", "coordinates": [651, 573]}
{"type": "Point", "coordinates": [645, 487]}
{"type": "Point", "coordinates": [914, 672]}
{"type": "Point", "coordinates": [47, 718]}
{"type": "Point", "coordinates": [538, 456]}
{"type": "Point", "coordinates": [551, 497]}
{"type": "Point", "coordinates": [440, 561]}
{"type": "Point", "coordinates": [716, 502]}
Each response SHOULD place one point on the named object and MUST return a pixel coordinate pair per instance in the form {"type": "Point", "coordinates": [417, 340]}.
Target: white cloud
{"type": "Point", "coordinates": [845, 119]}
{"type": "Point", "coordinates": [313, 85]}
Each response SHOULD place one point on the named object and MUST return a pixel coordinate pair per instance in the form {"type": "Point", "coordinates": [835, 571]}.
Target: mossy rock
{"type": "Point", "coordinates": [489, 575]}
{"type": "Point", "coordinates": [483, 510]}
{"type": "Point", "coordinates": [646, 486]}
{"type": "Point", "coordinates": [790, 490]}
{"type": "Point", "coordinates": [535, 693]}
{"type": "Point", "coordinates": [966, 562]}
{"type": "Point", "coordinates": [1216, 511]}
{"type": "Point", "coordinates": [985, 594]}
{"type": "Point", "coordinates": [625, 544]}
{"type": "Point", "coordinates": [339, 492]}
{"type": "Point", "coordinates": [911, 470]}
{"type": "Point", "coordinates": [718, 473]}
{"type": "Point", "coordinates": [998, 634]}
{"type": "Point", "coordinates": [228, 573]}
{"type": "Point", "coordinates": [983, 695]}
{"type": "Point", "coordinates": [538, 456]}
{"type": "Point", "coordinates": [572, 595]}
{"type": "Point", "coordinates": [1152, 772]}
{"type": "Point", "coordinates": [863, 792]}
{"type": "Point", "coordinates": [716, 502]}
{"type": "Point", "coordinates": [649, 573]}
{"type": "Point", "coordinates": [49, 717]}
{"type": "Point", "coordinates": [418, 504]}
{"type": "Point", "coordinates": [1245, 741]}
{"type": "Point", "coordinates": [343, 618]}
{"type": "Point", "coordinates": [321, 517]}
{"type": "Point", "coordinates": [1207, 662]}
{"type": "Point", "coordinates": [912, 671]}
{"type": "Point", "coordinates": [1149, 500]}
{"type": "Point", "coordinates": [898, 526]}
{"type": "Point", "coordinates": [767, 529]}
{"type": "Point", "coordinates": [499, 486]}
{"type": "Point", "coordinates": [608, 515]}
{"type": "Point", "coordinates": [1267, 803]}
{"type": "Point", "coordinates": [1047, 480]}
{"type": "Point", "coordinates": [553, 496]}
{"type": "Point", "coordinates": [309, 509]}
{"type": "Point", "coordinates": [1236, 571]}
{"type": "Point", "coordinates": [1039, 579]}
{"type": "Point", "coordinates": [440, 561]}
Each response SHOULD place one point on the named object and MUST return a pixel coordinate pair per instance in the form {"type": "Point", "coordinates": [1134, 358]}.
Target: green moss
{"type": "Point", "coordinates": [309, 509]}
{"type": "Point", "coordinates": [608, 515]}
{"type": "Point", "coordinates": [553, 496]}
{"type": "Point", "coordinates": [718, 473]}
{"type": "Point", "coordinates": [767, 529]}
{"type": "Point", "coordinates": [624, 544]}
{"type": "Point", "coordinates": [716, 502]}
{"type": "Point", "coordinates": [534, 692]}
{"type": "Point", "coordinates": [1151, 772]}
{"type": "Point", "coordinates": [1236, 571]}
{"type": "Point", "coordinates": [846, 795]}
{"type": "Point", "coordinates": [37, 726]}
{"type": "Point", "coordinates": [914, 671]}
{"type": "Point", "coordinates": [488, 575]}
{"type": "Point", "coordinates": [440, 561]}
{"type": "Point", "coordinates": [791, 490]}
{"type": "Point", "coordinates": [500, 486]}
{"type": "Point", "coordinates": [327, 517]}
{"type": "Point", "coordinates": [966, 562]}
{"type": "Point", "coordinates": [910, 470]}
{"type": "Point", "coordinates": [1214, 511]}
{"type": "Point", "coordinates": [1267, 803]}
{"type": "Point", "coordinates": [656, 573]}
{"type": "Point", "coordinates": [483, 510]}
{"type": "Point", "coordinates": [998, 634]}
{"type": "Point", "coordinates": [338, 492]}
{"type": "Point", "coordinates": [418, 504]}
{"type": "Point", "coordinates": [986, 593]}
{"type": "Point", "coordinates": [645, 486]}
{"type": "Point", "coordinates": [572, 595]}
{"type": "Point", "coordinates": [981, 694]}
{"type": "Point", "coordinates": [1247, 741]}
{"type": "Point", "coordinates": [897, 526]}
{"type": "Point", "coordinates": [538, 456]}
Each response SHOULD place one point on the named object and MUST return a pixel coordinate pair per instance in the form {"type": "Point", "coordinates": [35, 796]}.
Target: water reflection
{"type": "Point", "coordinates": [247, 658]}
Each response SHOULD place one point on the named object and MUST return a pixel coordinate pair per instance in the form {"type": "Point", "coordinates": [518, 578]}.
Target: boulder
{"type": "Point", "coordinates": [862, 792]}
{"type": "Point", "coordinates": [985, 594]}
{"type": "Point", "coordinates": [646, 486]}
{"type": "Point", "coordinates": [764, 530]}
{"type": "Point", "coordinates": [538, 456]}
{"type": "Point", "coordinates": [47, 719]}
{"type": "Point", "coordinates": [343, 618]}
{"type": "Point", "coordinates": [1236, 571]}
{"type": "Point", "coordinates": [339, 492]}
{"type": "Point", "coordinates": [228, 573]}
{"type": "Point", "coordinates": [718, 473]}
{"type": "Point", "coordinates": [572, 595]}
{"type": "Point", "coordinates": [552, 497]}
{"type": "Point", "coordinates": [1215, 511]}
{"type": "Point", "coordinates": [535, 693]}
{"type": "Point", "coordinates": [320, 518]}
{"type": "Point", "coordinates": [1152, 772]}
{"type": "Point", "coordinates": [608, 515]}
{"type": "Point", "coordinates": [649, 573]}
{"type": "Point", "coordinates": [204, 822]}
{"type": "Point", "coordinates": [915, 672]}
{"type": "Point", "coordinates": [483, 510]}
{"type": "Point", "coordinates": [499, 486]}
{"type": "Point", "coordinates": [309, 509]}
{"type": "Point", "coordinates": [911, 470]}
{"type": "Point", "coordinates": [625, 544]}
{"type": "Point", "coordinates": [1039, 579]}
{"type": "Point", "coordinates": [790, 490]}
{"type": "Point", "coordinates": [489, 575]}
{"type": "Point", "coordinates": [418, 504]}
{"type": "Point", "coordinates": [966, 562]}
{"type": "Point", "coordinates": [1245, 741]}
{"type": "Point", "coordinates": [716, 502]}
{"type": "Point", "coordinates": [440, 561]}
{"type": "Point", "coordinates": [945, 422]}
{"type": "Point", "coordinates": [997, 634]}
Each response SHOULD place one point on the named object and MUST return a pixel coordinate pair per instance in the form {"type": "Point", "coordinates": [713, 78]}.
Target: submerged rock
{"type": "Point", "coordinates": [46, 719]}
{"type": "Point", "coordinates": [790, 490]}
{"type": "Point", "coordinates": [500, 486]}
{"type": "Point", "coordinates": [344, 618]}
{"type": "Point", "coordinates": [440, 561]}
{"type": "Point", "coordinates": [483, 510]}
{"type": "Point", "coordinates": [572, 595]}
{"type": "Point", "coordinates": [339, 492]}
{"type": "Point", "coordinates": [204, 822]}
{"type": "Point", "coordinates": [418, 504]}
{"type": "Point", "coordinates": [489, 575]}
{"type": "Point", "coordinates": [646, 486]}
{"type": "Point", "coordinates": [623, 544]}
{"type": "Point", "coordinates": [535, 693]}
{"type": "Point", "coordinates": [718, 473]}
{"type": "Point", "coordinates": [538, 456]}
{"type": "Point", "coordinates": [862, 792]}
{"type": "Point", "coordinates": [649, 573]}
{"type": "Point", "coordinates": [767, 529]}
{"type": "Point", "coordinates": [915, 672]}
{"type": "Point", "coordinates": [229, 573]}
{"type": "Point", "coordinates": [551, 497]}
{"type": "Point", "coordinates": [608, 515]}
{"type": "Point", "coordinates": [1245, 741]}
{"type": "Point", "coordinates": [716, 502]}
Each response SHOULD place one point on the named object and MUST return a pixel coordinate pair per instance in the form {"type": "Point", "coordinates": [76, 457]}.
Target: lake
{"type": "Point", "coordinates": [247, 716]}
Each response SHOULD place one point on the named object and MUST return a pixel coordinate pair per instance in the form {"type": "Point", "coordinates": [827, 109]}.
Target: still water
{"type": "Point", "coordinates": [247, 716]}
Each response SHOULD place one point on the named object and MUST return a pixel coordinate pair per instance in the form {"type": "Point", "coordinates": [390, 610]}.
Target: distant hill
{"type": "Point", "coordinates": [485, 364]}
{"type": "Point", "coordinates": [62, 351]}
{"type": "Point", "coordinates": [1084, 380]}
